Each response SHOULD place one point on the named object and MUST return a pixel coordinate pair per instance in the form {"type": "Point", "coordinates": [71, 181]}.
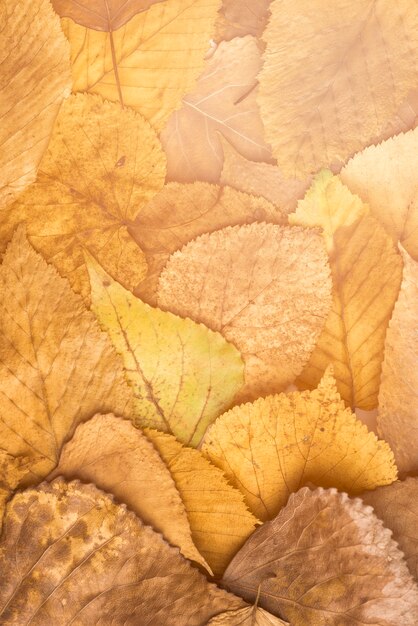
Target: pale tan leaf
{"type": "Point", "coordinates": [35, 78]}
{"type": "Point", "coordinates": [326, 560]}
{"type": "Point", "coordinates": [238, 18]}
{"type": "Point", "coordinates": [249, 616]}
{"type": "Point", "coordinates": [223, 101]}
{"type": "Point", "coordinates": [69, 555]}
{"type": "Point", "coordinates": [333, 77]}
{"type": "Point", "coordinates": [264, 287]}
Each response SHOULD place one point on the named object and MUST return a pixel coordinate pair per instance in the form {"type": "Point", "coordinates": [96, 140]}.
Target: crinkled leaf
{"type": "Point", "coordinates": [333, 76]}
{"type": "Point", "coordinates": [35, 78]}
{"type": "Point", "coordinates": [366, 275]}
{"type": "Point", "coordinates": [179, 213]}
{"type": "Point", "coordinates": [223, 101]}
{"type": "Point", "coordinates": [115, 456]}
{"type": "Point", "coordinates": [102, 165]}
{"type": "Point", "coordinates": [105, 15]}
{"type": "Point", "coordinates": [264, 287]}
{"type": "Point", "coordinates": [182, 374]}
{"type": "Point", "coordinates": [56, 367]}
{"type": "Point", "coordinates": [326, 560]}
{"type": "Point", "coordinates": [249, 616]}
{"type": "Point", "coordinates": [150, 62]}
{"type": "Point", "coordinates": [219, 519]}
{"type": "Point", "coordinates": [276, 445]}
{"type": "Point", "coordinates": [68, 554]}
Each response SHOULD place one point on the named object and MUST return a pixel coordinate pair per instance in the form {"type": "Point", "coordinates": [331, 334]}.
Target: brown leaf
{"type": "Point", "coordinates": [242, 17]}
{"type": "Point", "coordinates": [326, 560]}
{"type": "Point", "coordinates": [223, 101]}
{"type": "Point", "coordinates": [69, 555]}
{"type": "Point", "coordinates": [35, 78]}
{"type": "Point", "coordinates": [105, 15]}
{"type": "Point", "coordinates": [114, 455]}
{"type": "Point", "coordinates": [334, 76]}
{"type": "Point", "coordinates": [397, 507]}
{"type": "Point", "coordinates": [12, 470]}
{"type": "Point", "coordinates": [266, 288]}
{"type": "Point", "coordinates": [180, 213]}
{"type": "Point", "coordinates": [249, 616]}
{"type": "Point", "coordinates": [56, 367]}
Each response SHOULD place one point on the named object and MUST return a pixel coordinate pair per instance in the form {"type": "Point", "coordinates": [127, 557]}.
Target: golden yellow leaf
{"type": "Point", "coordinates": [366, 274]}
{"type": "Point", "coordinates": [12, 470]}
{"type": "Point", "coordinates": [35, 78]}
{"type": "Point", "coordinates": [70, 555]}
{"type": "Point", "coordinates": [241, 17]}
{"type": "Point", "coordinates": [105, 15]}
{"type": "Point", "coordinates": [56, 368]}
{"type": "Point", "coordinates": [223, 102]}
{"type": "Point", "coordinates": [385, 177]}
{"type": "Point", "coordinates": [264, 287]}
{"type": "Point", "coordinates": [182, 374]}
{"type": "Point", "coordinates": [333, 76]}
{"type": "Point", "coordinates": [218, 517]}
{"type": "Point", "coordinates": [260, 179]}
{"type": "Point", "coordinates": [179, 213]}
{"type": "Point", "coordinates": [102, 165]}
{"type": "Point", "coordinates": [117, 457]}
{"type": "Point", "coordinates": [249, 616]}
{"type": "Point", "coordinates": [274, 446]}
{"type": "Point", "coordinates": [150, 62]}
{"type": "Point", "coordinates": [326, 560]}
{"type": "Point", "coordinates": [398, 394]}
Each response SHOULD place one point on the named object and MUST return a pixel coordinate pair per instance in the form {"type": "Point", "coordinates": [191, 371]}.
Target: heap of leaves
{"type": "Point", "coordinates": [209, 286]}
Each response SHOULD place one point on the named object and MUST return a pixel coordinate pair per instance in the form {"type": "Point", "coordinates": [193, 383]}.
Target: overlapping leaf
{"type": "Point", "coordinates": [104, 15]}
{"type": "Point", "coordinates": [326, 559]}
{"type": "Point", "coordinates": [97, 561]}
{"type": "Point", "coordinates": [182, 374]}
{"type": "Point", "coordinates": [249, 616]}
{"type": "Point", "coordinates": [35, 78]}
{"type": "Point", "coordinates": [264, 287]}
{"type": "Point", "coordinates": [12, 470]}
{"type": "Point", "coordinates": [150, 62]}
{"type": "Point", "coordinates": [274, 446]}
{"type": "Point", "coordinates": [238, 18]}
{"type": "Point", "coordinates": [366, 275]}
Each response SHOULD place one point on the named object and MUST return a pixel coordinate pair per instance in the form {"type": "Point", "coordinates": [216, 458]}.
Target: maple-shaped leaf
{"type": "Point", "coordinates": [280, 443]}
{"type": "Point", "coordinates": [260, 179]}
{"type": "Point", "coordinates": [69, 555]}
{"type": "Point", "coordinates": [35, 78]}
{"type": "Point", "coordinates": [181, 212]}
{"type": "Point", "coordinates": [222, 102]}
{"type": "Point", "coordinates": [384, 177]}
{"type": "Point", "coordinates": [398, 393]}
{"type": "Point", "coordinates": [104, 15]}
{"type": "Point", "coordinates": [56, 367]}
{"type": "Point", "coordinates": [332, 79]}
{"type": "Point", "coordinates": [117, 457]}
{"type": "Point", "coordinates": [238, 18]}
{"type": "Point", "coordinates": [366, 275]}
{"type": "Point", "coordinates": [249, 616]}
{"type": "Point", "coordinates": [219, 519]}
{"type": "Point", "coordinates": [326, 560]}
{"type": "Point", "coordinates": [264, 287]}
{"type": "Point", "coordinates": [150, 62]}
{"type": "Point", "coordinates": [182, 374]}
{"type": "Point", "coordinates": [102, 165]}
{"type": "Point", "coordinates": [397, 506]}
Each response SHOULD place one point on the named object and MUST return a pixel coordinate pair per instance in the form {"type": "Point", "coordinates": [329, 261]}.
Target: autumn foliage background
{"type": "Point", "coordinates": [208, 312]}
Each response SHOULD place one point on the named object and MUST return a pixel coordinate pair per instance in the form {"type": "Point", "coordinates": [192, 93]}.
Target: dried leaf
{"type": "Point", "coordinates": [104, 15]}
{"type": "Point", "coordinates": [180, 213]}
{"type": "Point", "coordinates": [223, 101]}
{"type": "Point", "coordinates": [12, 470]}
{"type": "Point", "coordinates": [95, 562]}
{"type": "Point", "coordinates": [384, 176]}
{"type": "Point", "coordinates": [35, 78]}
{"type": "Point", "coordinates": [102, 165]}
{"type": "Point", "coordinates": [219, 519]}
{"type": "Point", "coordinates": [150, 62]}
{"type": "Point", "coordinates": [397, 506]}
{"type": "Point", "coordinates": [278, 444]}
{"type": "Point", "coordinates": [366, 272]}
{"type": "Point", "coordinates": [249, 616]}
{"type": "Point", "coordinates": [326, 559]}
{"type": "Point", "coordinates": [325, 98]}
{"type": "Point", "coordinates": [264, 287]}
{"type": "Point", "coordinates": [56, 368]}
{"type": "Point", "coordinates": [183, 375]}
{"type": "Point", "coordinates": [242, 17]}
{"type": "Point", "coordinates": [260, 179]}
{"type": "Point", "coordinates": [109, 452]}
{"type": "Point", "coordinates": [398, 394]}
